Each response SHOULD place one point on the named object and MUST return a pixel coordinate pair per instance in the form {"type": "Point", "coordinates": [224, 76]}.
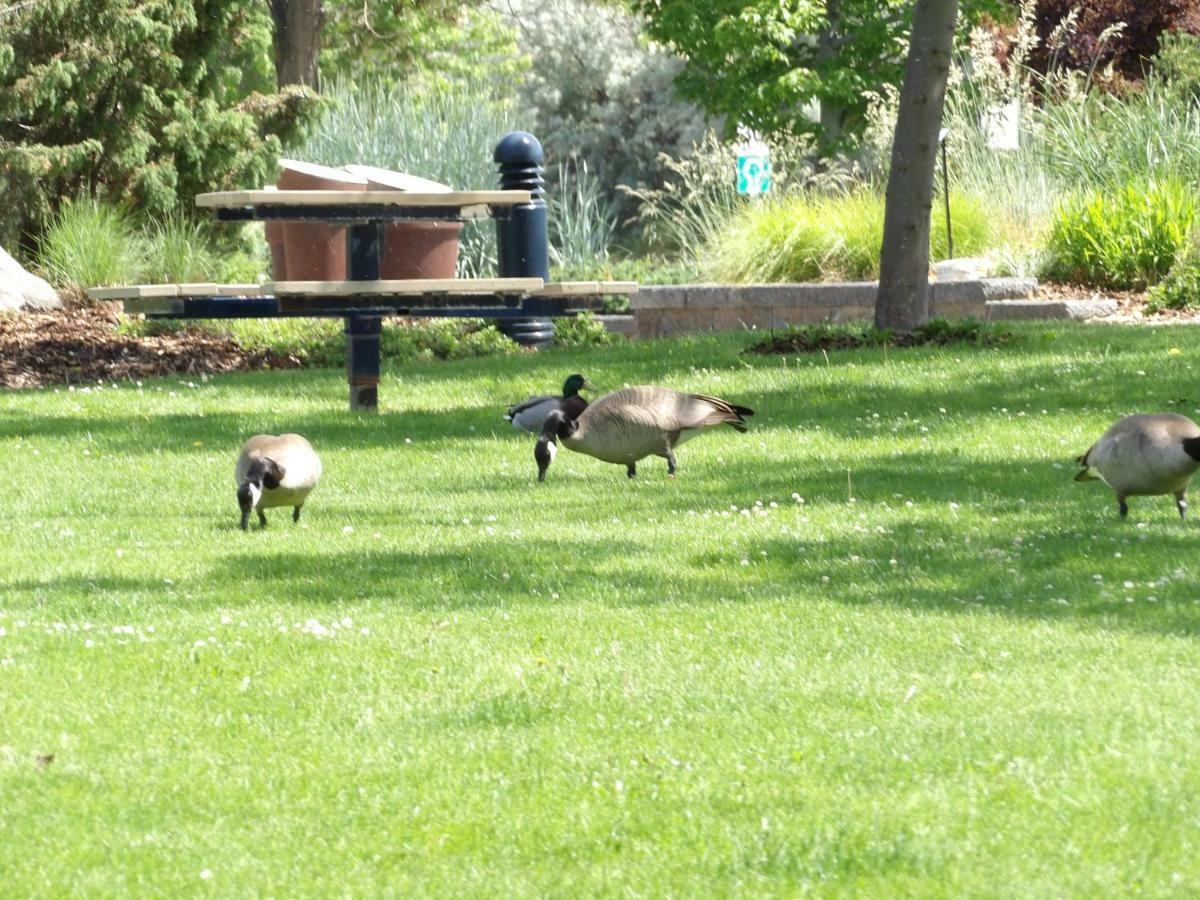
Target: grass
{"type": "Point", "coordinates": [806, 237]}
{"type": "Point", "coordinates": [949, 668]}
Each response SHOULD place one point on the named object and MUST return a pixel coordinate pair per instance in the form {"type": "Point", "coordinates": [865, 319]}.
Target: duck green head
{"type": "Point", "coordinates": [574, 384]}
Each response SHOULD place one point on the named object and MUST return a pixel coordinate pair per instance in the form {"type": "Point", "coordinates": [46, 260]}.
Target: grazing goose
{"type": "Point", "coordinates": [1145, 455]}
{"type": "Point", "coordinates": [275, 471]}
{"type": "Point", "coordinates": [530, 415]}
{"type": "Point", "coordinates": [633, 423]}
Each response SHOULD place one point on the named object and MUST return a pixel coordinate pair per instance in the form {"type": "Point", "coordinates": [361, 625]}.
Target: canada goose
{"type": "Point", "coordinates": [1145, 455]}
{"type": "Point", "coordinates": [630, 424]}
{"type": "Point", "coordinates": [530, 415]}
{"type": "Point", "coordinates": [275, 471]}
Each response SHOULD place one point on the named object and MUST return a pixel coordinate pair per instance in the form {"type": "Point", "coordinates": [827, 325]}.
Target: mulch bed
{"type": "Point", "coordinates": [80, 344]}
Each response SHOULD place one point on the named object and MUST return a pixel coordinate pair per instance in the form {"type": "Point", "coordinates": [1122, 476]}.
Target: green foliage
{"type": "Point", "coordinates": [141, 103]}
{"type": "Point", "coordinates": [699, 197]}
{"type": "Point", "coordinates": [580, 331]}
{"type": "Point", "coordinates": [824, 336]}
{"type": "Point", "coordinates": [581, 221]}
{"type": "Point", "coordinates": [1181, 288]}
{"type": "Point", "coordinates": [1127, 238]}
{"type": "Point", "coordinates": [321, 343]}
{"type": "Point", "coordinates": [1100, 140]}
{"type": "Point", "coordinates": [804, 66]}
{"type": "Point", "coordinates": [89, 243]}
{"type": "Point", "coordinates": [447, 135]}
{"type": "Point", "coordinates": [1177, 65]}
{"type": "Point", "coordinates": [808, 237]}
{"type": "Point", "coordinates": [440, 43]}
{"type": "Point", "coordinates": [178, 249]}
{"type": "Point", "coordinates": [759, 62]}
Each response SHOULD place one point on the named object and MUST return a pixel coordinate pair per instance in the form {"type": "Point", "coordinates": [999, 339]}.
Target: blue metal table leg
{"type": "Point", "coordinates": [363, 332]}
{"type": "Point", "coordinates": [362, 361]}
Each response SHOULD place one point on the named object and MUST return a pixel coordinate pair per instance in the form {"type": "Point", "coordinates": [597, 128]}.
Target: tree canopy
{"type": "Point", "coordinates": [788, 65]}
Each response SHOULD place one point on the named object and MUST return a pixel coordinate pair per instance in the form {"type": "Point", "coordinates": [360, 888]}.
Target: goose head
{"type": "Point", "coordinates": [263, 474]}
{"type": "Point", "coordinates": [574, 384]}
{"type": "Point", "coordinates": [555, 426]}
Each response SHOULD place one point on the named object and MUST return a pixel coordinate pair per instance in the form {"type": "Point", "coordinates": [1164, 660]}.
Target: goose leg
{"type": "Point", "coordinates": [245, 520]}
{"type": "Point", "coordinates": [262, 519]}
{"type": "Point", "coordinates": [670, 455]}
{"type": "Point", "coordinates": [1122, 505]}
{"type": "Point", "coordinates": [631, 469]}
{"type": "Point", "coordinates": [296, 514]}
{"type": "Point", "coordinates": [1181, 504]}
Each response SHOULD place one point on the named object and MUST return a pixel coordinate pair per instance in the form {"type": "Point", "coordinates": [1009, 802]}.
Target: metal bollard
{"type": "Point", "coordinates": [523, 245]}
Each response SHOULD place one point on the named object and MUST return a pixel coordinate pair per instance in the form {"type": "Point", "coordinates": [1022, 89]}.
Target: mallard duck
{"type": "Point", "coordinates": [275, 470]}
{"type": "Point", "coordinates": [1145, 455]}
{"type": "Point", "coordinates": [633, 423]}
{"type": "Point", "coordinates": [530, 415]}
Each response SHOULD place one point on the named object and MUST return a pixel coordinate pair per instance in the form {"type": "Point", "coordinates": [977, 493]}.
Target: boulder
{"type": "Point", "coordinates": [22, 290]}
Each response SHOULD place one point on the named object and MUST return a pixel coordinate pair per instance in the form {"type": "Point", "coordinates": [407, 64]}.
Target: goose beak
{"type": "Point", "coordinates": [543, 454]}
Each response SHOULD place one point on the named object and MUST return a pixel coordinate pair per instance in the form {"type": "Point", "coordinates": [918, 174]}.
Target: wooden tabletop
{"type": "Point", "coordinates": [465, 199]}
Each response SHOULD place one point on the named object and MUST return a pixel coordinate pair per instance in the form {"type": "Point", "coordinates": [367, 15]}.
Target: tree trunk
{"type": "Point", "coordinates": [902, 303]}
{"type": "Point", "coordinates": [832, 113]}
{"type": "Point", "coordinates": [297, 39]}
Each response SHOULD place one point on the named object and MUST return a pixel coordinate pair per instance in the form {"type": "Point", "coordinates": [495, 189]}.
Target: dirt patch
{"type": "Point", "coordinates": [1131, 305]}
{"type": "Point", "coordinates": [80, 343]}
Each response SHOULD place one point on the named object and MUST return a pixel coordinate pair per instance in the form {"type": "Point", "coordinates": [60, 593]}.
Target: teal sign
{"type": "Point", "coordinates": [753, 170]}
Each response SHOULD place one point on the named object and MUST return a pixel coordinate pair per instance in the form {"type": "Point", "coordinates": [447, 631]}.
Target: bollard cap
{"type": "Point", "coordinates": [518, 147]}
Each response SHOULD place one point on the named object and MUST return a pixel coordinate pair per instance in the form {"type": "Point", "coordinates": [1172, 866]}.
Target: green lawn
{"type": "Point", "coordinates": [948, 670]}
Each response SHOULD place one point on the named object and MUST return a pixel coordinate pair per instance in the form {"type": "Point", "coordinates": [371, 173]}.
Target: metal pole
{"type": "Point", "coordinates": [363, 332]}
{"type": "Point", "coordinates": [946, 193]}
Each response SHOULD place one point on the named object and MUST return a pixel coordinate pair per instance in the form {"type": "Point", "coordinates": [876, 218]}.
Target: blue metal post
{"type": "Point", "coordinates": [523, 245]}
{"type": "Point", "coordinates": [363, 332]}
{"type": "Point", "coordinates": [362, 361]}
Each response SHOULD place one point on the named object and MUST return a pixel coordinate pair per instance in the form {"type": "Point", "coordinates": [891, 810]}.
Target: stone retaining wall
{"type": "Point", "coordinates": [665, 310]}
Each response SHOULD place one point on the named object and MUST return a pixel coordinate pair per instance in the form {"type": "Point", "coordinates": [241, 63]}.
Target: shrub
{"type": "Point", "coordinates": [176, 249]}
{"type": "Point", "coordinates": [141, 103]}
{"type": "Point", "coordinates": [1181, 288]}
{"type": "Point", "coordinates": [600, 92]}
{"type": "Point", "coordinates": [814, 238]}
{"type": "Point", "coordinates": [1124, 239]}
{"type": "Point", "coordinates": [583, 330]}
{"type": "Point", "coordinates": [321, 343]}
{"type": "Point", "coordinates": [581, 220]}
{"type": "Point", "coordinates": [1177, 65]}
{"type": "Point", "coordinates": [89, 243]}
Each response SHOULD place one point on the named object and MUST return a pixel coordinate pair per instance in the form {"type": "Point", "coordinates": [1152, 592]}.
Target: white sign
{"type": "Point", "coordinates": [1002, 126]}
{"type": "Point", "coordinates": [753, 168]}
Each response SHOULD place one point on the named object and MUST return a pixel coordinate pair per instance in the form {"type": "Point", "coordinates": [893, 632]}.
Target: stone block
{"type": "Point", "coordinates": [1014, 310]}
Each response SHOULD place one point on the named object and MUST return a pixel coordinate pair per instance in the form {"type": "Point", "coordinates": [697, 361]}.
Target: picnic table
{"type": "Point", "coordinates": [363, 299]}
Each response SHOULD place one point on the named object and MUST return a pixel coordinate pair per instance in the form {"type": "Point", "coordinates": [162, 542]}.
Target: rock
{"type": "Point", "coordinates": [1010, 310]}
{"type": "Point", "coordinates": [967, 268]}
{"type": "Point", "coordinates": [22, 290]}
